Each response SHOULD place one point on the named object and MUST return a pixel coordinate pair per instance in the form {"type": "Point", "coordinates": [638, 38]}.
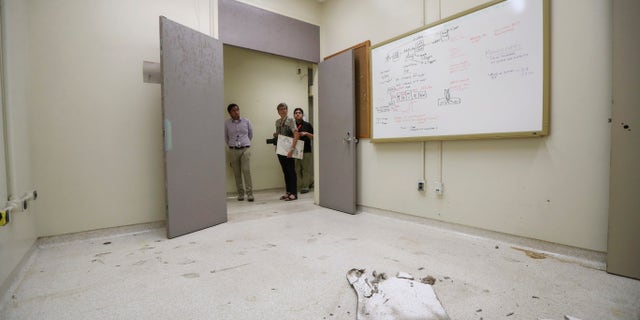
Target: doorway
{"type": "Point", "coordinates": [257, 82]}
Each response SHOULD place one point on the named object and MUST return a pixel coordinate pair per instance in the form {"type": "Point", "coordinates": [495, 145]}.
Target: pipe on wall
{"type": "Point", "coordinates": [20, 204]}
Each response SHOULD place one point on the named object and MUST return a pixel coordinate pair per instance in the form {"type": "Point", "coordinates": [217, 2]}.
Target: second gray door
{"type": "Point", "coordinates": [336, 133]}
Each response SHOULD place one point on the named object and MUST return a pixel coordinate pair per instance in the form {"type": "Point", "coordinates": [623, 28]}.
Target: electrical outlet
{"type": "Point", "coordinates": [420, 185]}
{"type": "Point", "coordinates": [4, 217]}
{"type": "Point", "coordinates": [438, 188]}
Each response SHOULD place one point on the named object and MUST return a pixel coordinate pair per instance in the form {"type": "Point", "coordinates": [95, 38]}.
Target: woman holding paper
{"type": "Point", "coordinates": [287, 127]}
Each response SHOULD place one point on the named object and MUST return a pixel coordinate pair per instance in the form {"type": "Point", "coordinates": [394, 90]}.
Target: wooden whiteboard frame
{"type": "Point", "coordinates": [545, 85]}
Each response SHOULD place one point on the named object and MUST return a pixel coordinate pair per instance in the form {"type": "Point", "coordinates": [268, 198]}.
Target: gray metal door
{"type": "Point", "coordinates": [623, 255]}
{"type": "Point", "coordinates": [336, 133]}
{"type": "Point", "coordinates": [193, 110]}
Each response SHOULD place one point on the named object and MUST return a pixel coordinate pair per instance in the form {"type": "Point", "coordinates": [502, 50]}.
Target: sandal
{"type": "Point", "coordinates": [285, 196]}
{"type": "Point", "coordinates": [291, 197]}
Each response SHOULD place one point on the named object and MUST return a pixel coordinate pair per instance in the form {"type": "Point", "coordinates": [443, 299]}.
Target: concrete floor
{"type": "Point", "coordinates": [288, 260]}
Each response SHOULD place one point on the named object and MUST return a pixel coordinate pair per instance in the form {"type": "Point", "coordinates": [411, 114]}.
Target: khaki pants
{"type": "Point", "coordinates": [304, 171]}
{"type": "Point", "coordinates": [239, 160]}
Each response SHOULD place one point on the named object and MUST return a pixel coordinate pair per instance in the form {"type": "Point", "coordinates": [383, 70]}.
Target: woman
{"type": "Point", "coordinates": [286, 126]}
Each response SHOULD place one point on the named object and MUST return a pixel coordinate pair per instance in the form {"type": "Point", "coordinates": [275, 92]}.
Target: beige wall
{"type": "Point", "coordinates": [18, 236]}
{"type": "Point", "coordinates": [554, 189]}
{"type": "Point", "coordinates": [305, 10]}
{"type": "Point", "coordinates": [257, 82]}
{"type": "Point", "coordinates": [98, 144]}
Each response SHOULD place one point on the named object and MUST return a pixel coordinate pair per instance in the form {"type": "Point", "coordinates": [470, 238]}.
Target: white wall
{"type": "Point", "coordinates": [257, 82]}
{"type": "Point", "coordinates": [3, 173]}
{"type": "Point", "coordinates": [17, 237]}
{"type": "Point", "coordinates": [554, 188]}
{"type": "Point", "coordinates": [97, 138]}
{"type": "Point", "coordinates": [304, 10]}
{"type": "Point", "coordinates": [346, 23]}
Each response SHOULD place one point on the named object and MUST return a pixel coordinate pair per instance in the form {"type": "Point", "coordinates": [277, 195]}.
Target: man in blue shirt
{"type": "Point", "coordinates": [238, 134]}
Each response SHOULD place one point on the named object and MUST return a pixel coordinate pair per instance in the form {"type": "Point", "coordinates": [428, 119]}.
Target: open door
{"type": "Point", "coordinates": [623, 255]}
{"type": "Point", "coordinates": [193, 111]}
{"type": "Point", "coordinates": [337, 133]}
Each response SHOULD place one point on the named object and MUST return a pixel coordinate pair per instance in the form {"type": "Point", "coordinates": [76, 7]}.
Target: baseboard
{"type": "Point", "coordinates": [15, 277]}
{"type": "Point", "coordinates": [96, 234]}
{"type": "Point", "coordinates": [585, 257]}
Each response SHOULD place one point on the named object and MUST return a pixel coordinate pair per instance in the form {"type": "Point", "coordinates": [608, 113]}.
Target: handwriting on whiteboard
{"type": "Point", "coordinates": [462, 76]}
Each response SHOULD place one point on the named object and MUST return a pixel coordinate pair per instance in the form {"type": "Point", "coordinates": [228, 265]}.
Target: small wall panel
{"type": "Point", "coordinates": [246, 26]}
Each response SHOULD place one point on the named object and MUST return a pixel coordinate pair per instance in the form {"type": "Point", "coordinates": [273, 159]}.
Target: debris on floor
{"type": "Point", "coordinates": [531, 254]}
{"type": "Point", "coordinates": [400, 297]}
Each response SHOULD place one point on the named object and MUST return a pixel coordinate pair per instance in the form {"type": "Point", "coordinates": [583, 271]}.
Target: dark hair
{"type": "Point", "coordinates": [231, 106]}
{"type": "Point", "coordinates": [296, 109]}
{"type": "Point", "coordinates": [282, 104]}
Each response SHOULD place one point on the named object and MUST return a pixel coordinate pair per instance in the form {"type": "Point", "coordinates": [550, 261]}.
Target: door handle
{"type": "Point", "coordinates": [349, 138]}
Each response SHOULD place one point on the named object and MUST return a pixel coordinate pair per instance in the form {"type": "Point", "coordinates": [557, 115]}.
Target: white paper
{"type": "Point", "coordinates": [381, 298]}
{"type": "Point", "coordinates": [284, 145]}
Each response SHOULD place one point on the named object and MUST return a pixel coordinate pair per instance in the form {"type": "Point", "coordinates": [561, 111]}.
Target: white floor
{"type": "Point", "coordinates": [288, 260]}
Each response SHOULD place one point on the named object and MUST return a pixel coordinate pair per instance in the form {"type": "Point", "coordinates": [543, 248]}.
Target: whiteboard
{"type": "Point", "coordinates": [479, 74]}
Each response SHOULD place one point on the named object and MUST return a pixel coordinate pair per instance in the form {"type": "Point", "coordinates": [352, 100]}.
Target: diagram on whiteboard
{"type": "Point", "coordinates": [448, 99]}
{"type": "Point", "coordinates": [478, 73]}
